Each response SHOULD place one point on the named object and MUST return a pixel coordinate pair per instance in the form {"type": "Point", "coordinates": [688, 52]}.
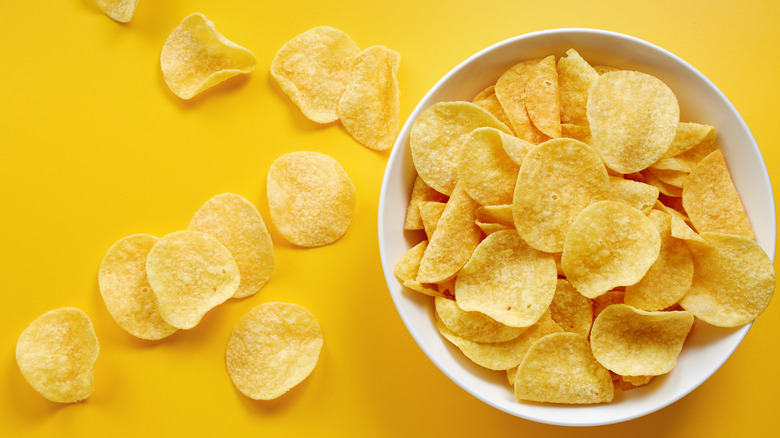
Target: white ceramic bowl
{"type": "Point", "coordinates": [707, 347]}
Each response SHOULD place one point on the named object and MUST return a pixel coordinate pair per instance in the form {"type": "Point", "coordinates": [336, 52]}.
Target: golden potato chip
{"type": "Point", "coordinates": [492, 218]}
{"type": "Point", "coordinates": [577, 132]}
{"type": "Point", "coordinates": [474, 326]}
{"type": "Point", "coordinates": [421, 192]}
{"type": "Point", "coordinates": [311, 198]}
{"type": "Point", "coordinates": [126, 291]}
{"type": "Point", "coordinates": [601, 302]}
{"type": "Point", "coordinates": [575, 76]}
{"type": "Point", "coordinates": [118, 10]}
{"type": "Point", "coordinates": [237, 224]}
{"type": "Point", "coordinates": [56, 354]}
{"type": "Point", "coordinates": [487, 99]}
{"type": "Point", "coordinates": [633, 119]}
{"type": "Point", "coordinates": [507, 280]}
{"type": "Point", "coordinates": [669, 277]}
{"type": "Point", "coordinates": [542, 98]}
{"type": "Point", "coordinates": [484, 168]}
{"type": "Point", "coordinates": [663, 188]}
{"type": "Point", "coordinates": [437, 135]}
{"type": "Point", "coordinates": [190, 273]}
{"type": "Point", "coordinates": [196, 57]}
{"type": "Point", "coordinates": [601, 69]}
{"type": "Point", "coordinates": [631, 382]}
{"type": "Point", "coordinates": [560, 368]}
{"type": "Point", "coordinates": [510, 91]}
{"type": "Point", "coordinates": [674, 178]}
{"type": "Point", "coordinates": [430, 213]}
{"type": "Point", "coordinates": [733, 280]}
{"type": "Point", "coordinates": [406, 268]}
{"type": "Point", "coordinates": [609, 244]}
{"type": "Point", "coordinates": [571, 310]}
{"type": "Point", "coordinates": [711, 200]}
{"type": "Point", "coordinates": [688, 136]}
{"type": "Point", "coordinates": [557, 180]}
{"type": "Point", "coordinates": [681, 230]}
{"type": "Point", "coordinates": [273, 348]}
{"type": "Point", "coordinates": [634, 193]}
{"type": "Point", "coordinates": [370, 108]}
{"type": "Point", "coordinates": [313, 70]}
{"type": "Point", "coordinates": [635, 342]}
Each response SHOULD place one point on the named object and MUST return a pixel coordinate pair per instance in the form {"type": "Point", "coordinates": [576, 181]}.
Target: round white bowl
{"type": "Point", "coordinates": [707, 347]}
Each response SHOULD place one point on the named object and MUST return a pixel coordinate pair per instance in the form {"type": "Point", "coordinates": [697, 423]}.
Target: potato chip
{"type": "Point", "coordinates": [118, 10]}
{"type": "Point", "coordinates": [577, 132]}
{"type": "Point", "coordinates": [406, 268]}
{"type": "Point", "coordinates": [510, 91]}
{"type": "Point", "coordinates": [542, 98]}
{"type": "Point", "coordinates": [421, 192]}
{"type": "Point", "coordinates": [557, 180]}
{"type": "Point", "coordinates": [313, 70]}
{"type": "Point", "coordinates": [126, 291]}
{"type": "Point", "coordinates": [56, 354]}
{"type": "Point", "coordinates": [196, 57]}
{"type": "Point", "coordinates": [674, 178]}
{"type": "Point", "coordinates": [631, 382]}
{"type": "Point", "coordinates": [571, 310]}
{"type": "Point", "coordinates": [575, 76]}
{"type": "Point", "coordinates": [601, 302]}
{"type": "Point", "coordinates": [437, 135]}
{"type": "Point", "coordinates": [609, 244]}
{"type": "Point", "coordinates": [492, 218]}
{"type": "Point", "coordinates": [237, 224]}
{"type": "Point", "coordinates": [733, 280]}
{"type": "Point", "coordinates": [663, 188]}
{"type": "Point", "coordinates": [633, 119]}
{"type": "Point", "coordinates": [601, 69]}
{"type": "Point", "coordinates": [430, 213]}
{"type": "Point", "coordinates": [370, 108]}
{"type": "Point", "coordinates": [484, 168]}
{"type": "Point", "coordinates": [487, 99]}
{"type": "Point", "coordinates": [688, 136]}
{"type": "Point", "coordinates": [190, 273]}
{"type": "Point", "coordinates": [507, 280]}
{"type": "Point", "coordinates": [273, 348]}
{"type": "Point", "coordinates": [560, 368]}
{"type": "Point", "coordinates": [634, 342]}
{"type": "Point", "coordinates": [474, 326]}
{"type": "Point", "coordinates": [636, 194]}
{"type": "Point", "coordinates": [669, 277]}
{"type": "Point", "coordinates": [711, 200]}
{"type": "Point", "coordinates": [311, 198]}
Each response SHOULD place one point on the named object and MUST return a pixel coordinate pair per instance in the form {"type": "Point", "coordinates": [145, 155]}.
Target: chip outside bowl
{"type": "Point", "coordinates": [707, 347]}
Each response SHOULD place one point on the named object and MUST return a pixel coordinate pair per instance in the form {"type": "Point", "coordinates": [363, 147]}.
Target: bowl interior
{"type": "Point", "coordinates": [707, 347]}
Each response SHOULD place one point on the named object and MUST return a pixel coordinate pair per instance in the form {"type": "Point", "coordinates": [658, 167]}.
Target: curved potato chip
{"type": "Point", "coordinates": [609, 244]}
{"type": "Point", "coordinates": [507, 280]}
{"type": "Point", "coordinates": [126, 291]}
{"type": "Point", "coordinates": [688, 136]}
{"type": "Point", "coordinates": [56, 354]}
{"type": "Point", "coordinates": [421, 192]}
{"type": "Point", "coordinates": [237, 224]}
{"type": "Point", "coordinates": [190, 273]}
{"type": "Point", "coordinates": [575, 76]}
{"type": "Point", "coordinates": [311, 198]}
{"type": "Point", "coordinates": [118, 10]}
{"type": "Point", "coordinates": [474, 326]}
{"type": "Point", "coordinates": [484, 168]}
{"type": "Point", "coordinates": [431, 212]}
{"type": "Point", "coordinates": [406, 268]}
{"type": "Point", "coordinates": [571, 310]}
{"type": "Point", "coordinates": [273, 348]}
{"type": "Point", "coordinates": [634, 193]}
{"type": "Point", "coordinates": [370, 108]}
{"type": "Point", "coordinates": [603, 301]}
{"type": "Point", "coordinates": [196, 57]}
{"type": "Point", "coordinates": [633, 119]}
{"type": "Point", "coordinates": [487, 99]}
{"type": "Point", "coordinates": [634, 342]}
{"type": "Point", "coordinates": [510, 91]}
{"type": "Point", "coordinates": [733, 280]}
{"type": "Point", "coordinates": [312, 69]}
{"type": "Point", "coordinates": [542, 99]}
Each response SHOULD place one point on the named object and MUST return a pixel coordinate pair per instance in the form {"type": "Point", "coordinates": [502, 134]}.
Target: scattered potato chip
{"type": "Point", "coordinates": [575, 76]}
{"type": "Point", "coordinates": [126, 291]}
{"type": "Point", "coordinates": [421, 192]}
{"type": "Point", "coordinates": [542, 98]}
{"type": "Point", "coordinates": [634, 342]}
{"type": "Point", "coordinates": [273, 348]}
{"type": "Point", "coordinates": [237, 224]}
{"type": "Point", "coordinates": [484, 168]}
{"type": "Point", "coordinates": [733, 280]}
{"type": "Point", "coordinates": [56, 354]}
{"type": "Point", "coordinates": [510, 91]}
{"type": "Point", "coordinates": [190, 273]}
{"type": "Point", "coordinates": [431, 212]}
{"type": "Point", "coordinates": [473, 326]}
{"type": "Point", "coordinates": [487, 99]}
{"type": "Point", "coordinates": [196, 57]}
{"type": "Point", "coordinates": [312, 69]}
{"type": "Point", "coordinates": [560, 368]}
{"type": "Point", "coordinates": [634, 193]}
{"type": "Point", "coordinates": [570, 309]}
{"type": "Point", "coordinates": [370, 108]}
{"type": "Point", "coordinates": [118, 10]}
{"type": "Point", "coordinates": [311, 198]}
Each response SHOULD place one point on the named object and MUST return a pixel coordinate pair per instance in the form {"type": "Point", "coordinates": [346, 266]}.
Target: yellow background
{"type": "Point", "coordinates": [93, 147]}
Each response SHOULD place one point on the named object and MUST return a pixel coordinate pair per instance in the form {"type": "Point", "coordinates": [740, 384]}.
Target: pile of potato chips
{"type": "Point", "coordinates": [575, 228]}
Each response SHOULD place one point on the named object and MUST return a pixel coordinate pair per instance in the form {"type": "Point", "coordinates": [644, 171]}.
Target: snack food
{"type": "Point", "coordinates": [118, 10]}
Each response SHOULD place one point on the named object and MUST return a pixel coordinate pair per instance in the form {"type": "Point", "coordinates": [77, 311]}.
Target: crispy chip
{"type": "Point", "coordinates": [237, 224]}
{"type": "Point", "coordinates": [575, 76]}
{"type": "Point", "coordinates": [406, 268]}
{"type": "Point", "coordinates": [190, 273]}
{"type": "Point", "coordinates": [196, 57]}
{"type": "Point", "coordinates": [634, 342]}
{"type": "Point", "coordinates": [601, 302]}
{"type": "Point", "coordinates": [492, 218]}
{"type": "Point", "coordinates": [56, 354]}
{"type": "Point", "coordinates": [118, 10]}
{"type": "Point", "coordinates": [663, 188]}
{"type": "Point", "coordinates": [634, 193]}
{"type": "Point", "coordinates": [571, 310]}
{"type": "Point", "coordinates": [273, 348]}
{"type": "Point", "coordinates": [313, 70]}
{"type": "Point", "coordinates": [311, 198]}
{"type": "Point", "coordinates": [542, 99]}
{"type": "Point", "coordinates": [484, 168]}
{"type": "Point", "coordinates": [474, 326]}
{"type": "Point", "coordinates": [421, 192]}
{"type": "Point", "coordinates": [487, 99]}
{"type": "Point", "coordinates": [126, 291]}
{"type": "Point", "coordinates": [510, 91]}
{"type": "Point", "coordinates": [431, 212]}
{"type": "Point", "coordinates": [370, 108]}
{"type": "Point", "coordinates": [577, 132]}
{"type": "Point", "coordinates": [631, 382]}
{"type": "Point", "coordinates": [688, 136]}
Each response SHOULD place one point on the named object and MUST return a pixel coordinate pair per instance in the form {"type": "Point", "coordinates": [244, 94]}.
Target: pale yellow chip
{"type": "Point", "coordinates": [196, 57]}
{"type": "Point", "coordinates": [560, 368]}
{"type": "Point", "coordinates": [663, 188]}
{"type": "Point", "coordinates": [421, 192]}
{"type": "Point", "coordinates": [313, 70]}
{"type": "Point", "coordinates": [688, 136]}
{"type": "Point", "coordinates": [633, 119]}
{"type": "Point", "coordinates": [634, 193]}
{"type": "Point", "coordinates": [601, 302]}
{"type": "Point", "coordinates": [126, 291]}
{"type": "Point", "coordinates": [542, 98]}
{"type": "Point", "coordinates": [635, 342]}
{"type": "Point", "coordinates": [577, 132]}
{"type": "Point", "coordinates": [670, 177]}
{"type": "Point", "coordinates": [190, 272]}
{"type": "Point", "coordinates": [436, 138]}
{"type": "Point", "coordinates": [557, 180]}
{"type": "Point", "coordinates": [575, 76]}
{"type": "Point", "coordinates": [487, 173]}
{"type": "Point", "coordinates": [474, 326]}
{"type": "Point", "coordinates": [609, 244]}
{"type": "Point", "coordinates": [370, 108]}
{"type": "Point", "coordinates": [406, 268]}
{"type": "Point", "coordinates": [733, 280]}
{"type": "Point", "coordinates": [498, 214]}
{"type": "Point", "coordinates": [510, 91]}
{"type": "Point", "coordinates": [273, 348]}
{"type": "Point", "coordinates": [430, 213]}
{"type": "Point", "coordinates": [118, 10]}
{"type": "Point", "coordinates": [56, 354]}
{"type": "Point", "coordinates": [237, 224]}
{"type": "Point", "coordinates": [310, 198]}
{"type": "Point", "coordinates": [487, 99]}
{"type": "Point", "coordinates": [507, 280]}
{"type": "Point", "coordinates": [570, 309]}
{"type": "Point", "coordinates": [711, 200]}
